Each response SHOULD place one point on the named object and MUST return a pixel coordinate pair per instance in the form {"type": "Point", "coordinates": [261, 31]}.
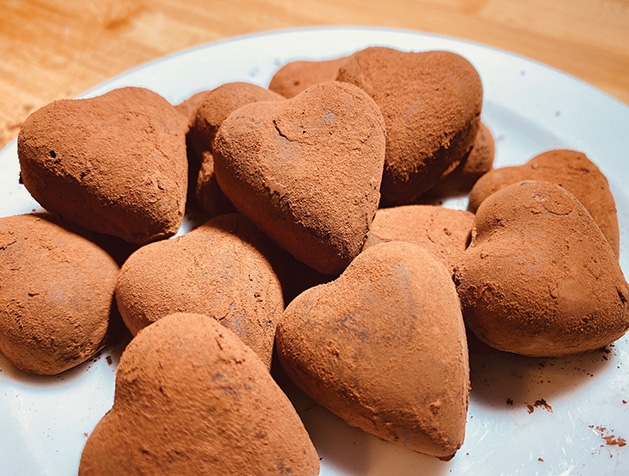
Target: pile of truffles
{"type": "Point", "coordinates": [320, 246]}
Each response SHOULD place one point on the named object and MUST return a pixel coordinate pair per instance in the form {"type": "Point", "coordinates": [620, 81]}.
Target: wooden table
{"type": "Point", "coordinates": [59, 48]}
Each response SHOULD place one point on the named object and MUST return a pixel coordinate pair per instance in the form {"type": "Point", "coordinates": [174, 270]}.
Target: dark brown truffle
{"type": "Point", "coordinates": [568, 168]}
{"type": "Point", "coordinates": [56, 294]}
{"type": "Point", "coordinates": [296, 76]}
{"type": "Point", "coordinates": [384, 348]}
{"type": "Point", "coordinates": [221, 268]}
{"type": "Point", "coordinates": [539, 278]}
{"type": "Point", "coordinates": [115, 164]}
{"type": "Point", "coordinates": [306, 170]}
{"type": "Point", "coordinates": [191, 398]}
{"type": "Point", "coordinates": [431, 103]}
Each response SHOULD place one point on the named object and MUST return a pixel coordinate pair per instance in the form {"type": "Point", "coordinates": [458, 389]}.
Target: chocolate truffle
{"type": "Point", "coordinates": [442, 231]}
{"type": "Point", "coordinates": [191, 398]}
{"type": "Point", "coordinates": [115, 164]}
{"type": "Point", "coordinates": [294, 77]}
{"type": "Point", "coordinates": [431, 103]}
{"type": "Point", "coordinates": [539, 278]}
{"type": "Point", "coordinates": [384, 348]}
{"type": "Point", "coordinates": [570, 169]}
{"type": "Point", "coordinates": [221, 268]}
{"type": "Point", "coordinates": [56, 294]}
{"type": "Point", "coordinates": [306, 170]}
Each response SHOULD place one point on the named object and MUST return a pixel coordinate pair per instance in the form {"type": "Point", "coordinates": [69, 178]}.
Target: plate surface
{"type": "Point", "coordinates": [563, 416]}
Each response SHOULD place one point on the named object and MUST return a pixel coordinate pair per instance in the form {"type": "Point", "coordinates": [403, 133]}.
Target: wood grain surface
{"type": "Point", "coordinates": [59, 48]}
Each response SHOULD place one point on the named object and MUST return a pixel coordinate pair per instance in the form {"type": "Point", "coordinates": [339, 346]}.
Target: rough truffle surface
{"type": "Point", "coordinates": [191, 398]}
{"type": "Point", "coordinates": [221, 268]}
{"type": "Point", "coordinates": [431, 103]}
{"type": "Point", "coordinates": [442, 231]}
{"type": "Point", "coordinates": [294, 77]}
{"type": "Point", "coordinates": [568, 168]}
{"type": "Point", "coordinates": [306, 170]}
{"type": "Point", "coordinates": [384, 347]}
{"type": "Point", "coordinates": [539, 278]}
{"type": "Point", "coordinates": [56, 295]}
{"type": "Point", "coordinates": [114, 164]}
{"type": "Point", "coordinates": [217, 104]}
{"type": "Point", "coordinates": [474, 165]}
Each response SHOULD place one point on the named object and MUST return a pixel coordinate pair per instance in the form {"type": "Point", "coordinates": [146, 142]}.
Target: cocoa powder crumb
{"type": "Point", "coordinates": [543, 403]}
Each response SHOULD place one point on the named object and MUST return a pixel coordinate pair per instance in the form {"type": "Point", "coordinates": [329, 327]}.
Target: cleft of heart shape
{"type": "Point", "coordinates": [307, 170]}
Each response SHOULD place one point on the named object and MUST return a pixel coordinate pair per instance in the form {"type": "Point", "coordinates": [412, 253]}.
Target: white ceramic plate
{"type": "Point", "coordinates": [566, 416]}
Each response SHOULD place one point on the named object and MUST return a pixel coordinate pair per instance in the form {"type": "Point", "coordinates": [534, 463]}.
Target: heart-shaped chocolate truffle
{"type": "Point", "coordinates": [192, 399]}
{"type": "Point", "coordinates": [431, 103]}
{"type": "Point", "coordinates": [222, 268]}
{"type": "Point", "coordinates": [570, 169]}
{"type": "Point", "coordinates": [306, 171]}
{"type": "Point", "coordinates": [216, 106]}
{"type": "Point", "coordinates": [114, 164]}
{"type": "Point", "coordinates": [539, 278]}
{"type": "Point", "coordinates": [384, 347]}
{"type": "Point", "coordinates": [56, 294]}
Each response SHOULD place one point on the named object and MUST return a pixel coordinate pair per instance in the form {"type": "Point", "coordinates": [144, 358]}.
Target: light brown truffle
{"type": "Point", "coordinates": [539, 278]}
{"type": "Point", "coordinates": [474, 165]}
{"type": "Point", "coordinates": [221, 268]}
{"type": "Point", "coordinates": [115, 164]}
{"type": "Point", "coordinates": [296, 76]}
{"type": "Point", "coordinates": [431, 103]}
{"type": "Point", "coordinates": [442, 231]}
{"type": "Point", "coordinates": [56, 294]}
{"type": "Point", "coordinates": [568, 168]}
{"type": "Point", "coordinates": [384, 348]}
{"type": "Point", "coordinates": [210, 114]}
{"type": "Point", "coordinates": [191, 398]}
{"type": "Point", "coordinates": [306, 170]}
{"type": "Point", "coordinates": [190, 106]}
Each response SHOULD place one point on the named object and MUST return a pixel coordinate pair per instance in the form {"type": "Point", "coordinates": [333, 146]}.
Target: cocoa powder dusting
{"type": "Point", "coordinates": [115, 164]}
{"type": "Point", "coordinates": [431, 102]}
{"type": "Point", "coordinates": [312, 183]}
{"type": "Point", "coordinates": [541, 272]}
{"type": "Point", "coordinates": [192, 398]}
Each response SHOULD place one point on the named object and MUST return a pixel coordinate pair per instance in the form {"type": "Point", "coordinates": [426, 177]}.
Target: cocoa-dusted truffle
{"type": "Point", "coordinates": [431, 103]}
{"type": "Point", "coordinates": [56, 294]}
{"type": "Point", "coordinates": [384, 348]}
{"type": "Point", "coordinates": [210, 114]}
{"type": "Point", "coordinates": [306, 170]}
{"type": "Point", "coordinates": [570, 169]}
{"type": "Point", "coordinates": [474, 165]}
{"type": "Point", "coordinates": [539, 278]}
{"type": "Point", "coordinates": [442, 231]}
{"type": "Point", "coordinates": [114, 164]}
{"type": "Point", "coordinates": [191, 398]}
{"type": "Point", "coordinates": [190, 106]}
{"type": "Point", "coordinates": [294, 77]}
{"type": "Point", "coordinates": [221, 268]}
{"type": "Point", "coordinates": [218, 104]}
